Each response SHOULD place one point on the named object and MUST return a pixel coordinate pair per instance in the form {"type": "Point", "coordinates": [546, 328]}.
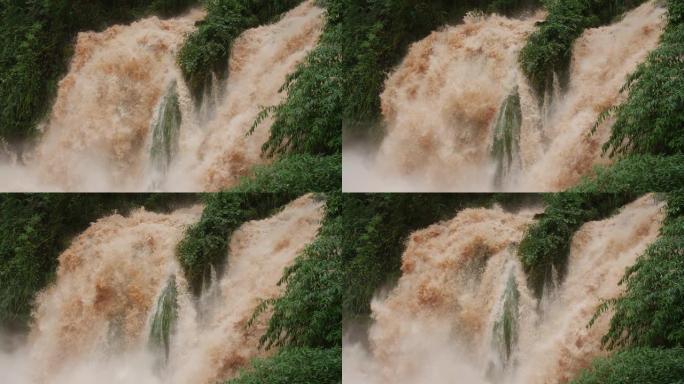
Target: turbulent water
{"type": "Point", "coordinates": [462, 313]}
{"type": "Point", "coordinates": [119, 278]}
{"type": "Point", "coordinates": [457, 91]}
{"type": "Point", "coordinates": [123, 104]}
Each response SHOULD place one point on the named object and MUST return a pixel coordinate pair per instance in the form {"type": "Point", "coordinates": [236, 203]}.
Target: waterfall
{"type": "Point", "coordinates": [124, 119]}
{"type": "Point", "coordinates": [120, 310]}
{"type": "Point", "coordinates": [448, 104]}
{"type": "Point", "coordinates": [436, 325]}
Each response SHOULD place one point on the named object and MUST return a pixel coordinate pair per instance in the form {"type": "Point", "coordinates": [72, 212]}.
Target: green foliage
{"type": "Point", "coordinates": [35, 46]}
{"type": "Point", "coordinates": [295, 174]}
{"type": "Point", "coordinates": [637, 366]}
{"type": "Point", "coordinates": [373, 231]}
{"type": "Point", "coordinates": [295, 366]}
{"type": "Point", "coordinates": [205, 243]}
{"type": "Point", "coordinates": [546, 244]}
{"type": "Point", "coordinates": [638, 174]}
{"type": "Point", "coordinates": [651, 120]}
{"type": "Point", "coordinates": [549, 49]}
{"type": "Point", "coordinates": [36, 228]}
{"type": "Point", "coordinates": [309, 313]}
{"type": "Point", "coordinates": [206, 50]}
{"type": "Point", "coordinates": [651, 310]}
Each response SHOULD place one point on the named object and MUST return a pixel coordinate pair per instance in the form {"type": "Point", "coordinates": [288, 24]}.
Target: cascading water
{"type": "Point", "coordinates": [120, 310]}
{"type": "Point", "coordinates": [447, 321]}
{"type": "Point", "coordinates": [124, 120]}
{"type": "Point", "coordinates": [452, 100]}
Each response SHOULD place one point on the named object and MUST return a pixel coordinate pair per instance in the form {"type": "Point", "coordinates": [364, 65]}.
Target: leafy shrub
{"type": "Point", "coordinates": [295, 366]}
{"type": "Point", "coordinates": [637, 174]}
{"type": "Point", "coordinates": [637, 366]}
{"type": "Point", "coordinates": [295, 174]}
{"type": "Point", "coordinates": [546, 243]}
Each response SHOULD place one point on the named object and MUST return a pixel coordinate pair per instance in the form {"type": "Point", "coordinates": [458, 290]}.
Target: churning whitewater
{"type": "Point", "coordinates": [462, 312]}
{"type": "Point", "coordinates": [459, 115]}
{"type": "Point", "coordinates": [101, 321]}
{"type": "Point", "coordinates": [124, 119]}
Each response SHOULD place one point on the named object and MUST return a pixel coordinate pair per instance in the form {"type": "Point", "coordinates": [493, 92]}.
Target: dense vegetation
{"type": "Point", "coordinates": [36, 228]}
{"type": "Point", "coordinates": [36, 44]}
{"type": "Point", "coordinates": [549, 49]}
{"type": "Point", "coordinates": [637, 366]}
{"type": "Point", "coordinates": [206, 50]}
{"type": "Point", "coordinates": [295, 366]}
{"type": "Point", "coordinates": [638, 174]}
{"type": "Point", "coordinates": [296, 174]}
{"type": "Point", "coordinates": [546, 244]}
